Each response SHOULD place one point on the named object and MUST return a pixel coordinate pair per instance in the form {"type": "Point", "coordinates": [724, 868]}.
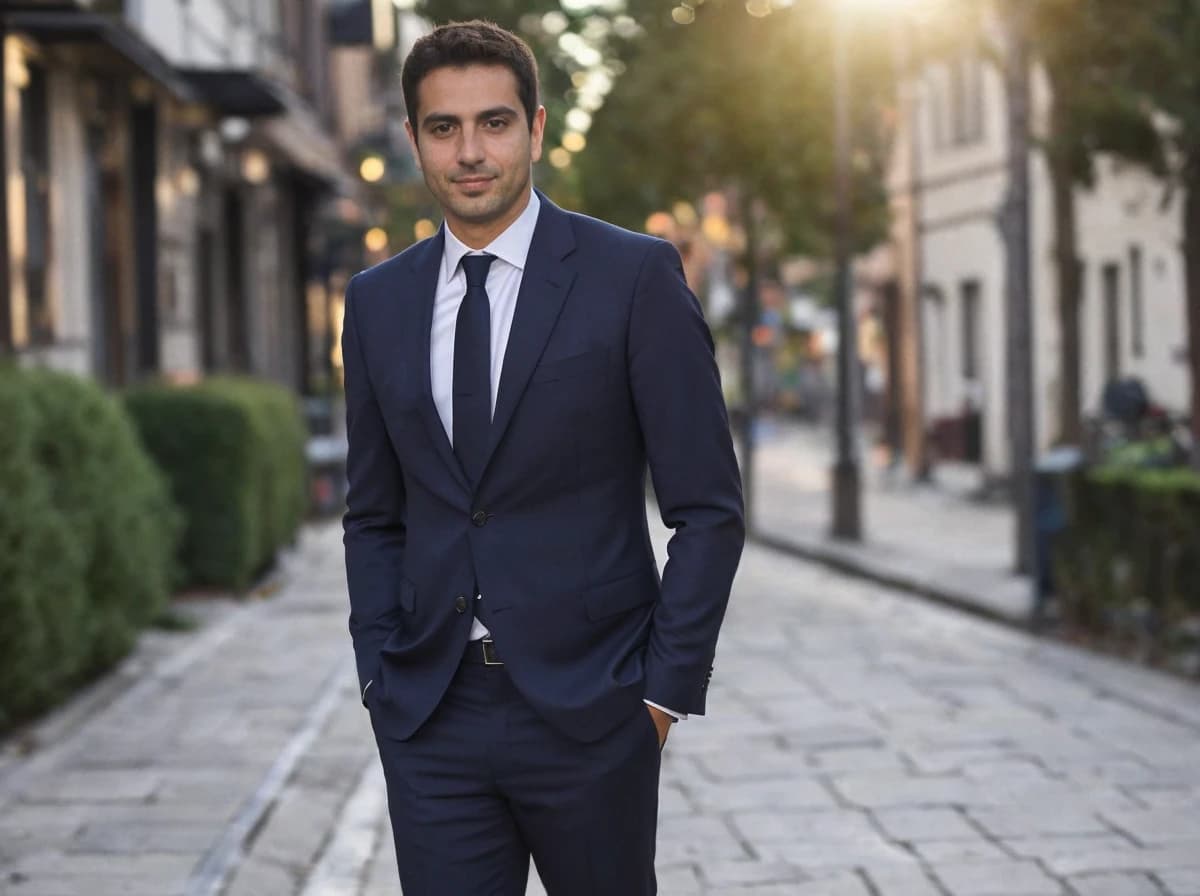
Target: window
{"type": "Point", "coordinates": [1137, 309]}
{"type": "Point", "coordinates": [956, 106]}
{"type": "Point", "coordinates": [966, 99]}
{"type": "Point", "coordinates": [1111, 284]}
{"type": "Point", "coordinates": [35, 172]}
{"type": "Point", "coordinates": [970, 330]}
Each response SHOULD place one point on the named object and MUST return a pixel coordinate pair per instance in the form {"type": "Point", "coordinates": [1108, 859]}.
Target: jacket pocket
{"type": "Point", "coordinates": [570, 368]}
{"type": "Point", "coordinates": [620, 595]}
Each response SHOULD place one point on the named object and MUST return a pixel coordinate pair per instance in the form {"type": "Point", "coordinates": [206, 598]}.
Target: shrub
{"type": "Point", "coordinates": [86, 537]}
{"type": "Point", "coordinates": [117, 503]}
{"type": "Point", "coordinates": [1133, 550]}
{"type": "Point", "coordinates": [233, 450]}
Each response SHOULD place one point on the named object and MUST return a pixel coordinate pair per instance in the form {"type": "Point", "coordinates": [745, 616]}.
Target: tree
{"type": "Point", "coordinates": [1160, 41]}
{"type": "Point", "coordinates": [1083, 52]}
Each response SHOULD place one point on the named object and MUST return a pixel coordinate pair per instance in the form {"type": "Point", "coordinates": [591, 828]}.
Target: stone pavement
{"type": "Point", "coordinates": [933, 539]}
{"type": "Point", "coordinates": [859, 742]}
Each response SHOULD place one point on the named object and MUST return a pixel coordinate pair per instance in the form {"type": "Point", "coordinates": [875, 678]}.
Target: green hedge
{"type": "Point", "coordinates": [1132, 552]}
{"type": "Point", "coordinates": [87, 536]}
{"type": "Point", "coordinates": [233, 450]}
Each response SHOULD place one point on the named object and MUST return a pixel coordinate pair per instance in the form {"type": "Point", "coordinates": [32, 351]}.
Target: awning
{"type": "Point", "coordinates": [236, 92]}
{"type": "Point", "coordinates": [78, 26]}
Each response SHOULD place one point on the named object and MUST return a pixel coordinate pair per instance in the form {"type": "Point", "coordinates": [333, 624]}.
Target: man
{"type": "Point", "coordinates": [508, 382]}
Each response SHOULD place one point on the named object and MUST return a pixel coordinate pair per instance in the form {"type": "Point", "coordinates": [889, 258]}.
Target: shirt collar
{"type": "Point", "coordinates": [511, 246]}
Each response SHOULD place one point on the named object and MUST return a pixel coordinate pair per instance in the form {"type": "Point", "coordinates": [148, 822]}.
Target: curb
{"type": "Point", "coordinates": [842, 560]}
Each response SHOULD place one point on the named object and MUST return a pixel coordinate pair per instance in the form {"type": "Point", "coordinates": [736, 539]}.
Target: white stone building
{"type": "Point", "coordinates": [953, 164]}
{"type": "Point", "coordinates": [169, 166]}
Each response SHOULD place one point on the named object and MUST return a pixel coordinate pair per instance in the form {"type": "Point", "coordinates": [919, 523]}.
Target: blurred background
{"type": "Point", "coordinates": [950, 250]}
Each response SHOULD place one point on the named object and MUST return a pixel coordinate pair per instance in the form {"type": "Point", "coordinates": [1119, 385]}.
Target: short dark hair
{"type": "Point", "coordinates": [459, 44]}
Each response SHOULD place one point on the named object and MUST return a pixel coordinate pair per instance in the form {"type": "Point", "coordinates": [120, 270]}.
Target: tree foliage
{"type": "Point", "coordinates": [729, 101]}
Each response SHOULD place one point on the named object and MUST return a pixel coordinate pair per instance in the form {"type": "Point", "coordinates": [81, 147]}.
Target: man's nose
{"type": "Point", "coordinates": [470, 149]}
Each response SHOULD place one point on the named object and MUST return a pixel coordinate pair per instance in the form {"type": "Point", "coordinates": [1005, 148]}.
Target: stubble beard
{"type": "Point", "coordinates": [491, 206]}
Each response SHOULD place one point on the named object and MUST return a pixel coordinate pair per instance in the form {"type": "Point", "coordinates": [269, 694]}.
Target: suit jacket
{"type": "Point", "coordinates": [609, 370]}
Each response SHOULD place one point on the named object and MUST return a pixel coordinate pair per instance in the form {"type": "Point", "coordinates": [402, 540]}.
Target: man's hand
{"type": "Point", "coordinates": [662, 721]}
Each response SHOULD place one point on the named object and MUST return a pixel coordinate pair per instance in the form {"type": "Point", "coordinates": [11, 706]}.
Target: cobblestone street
{"type": "Point", "coordinates": [859, 742]}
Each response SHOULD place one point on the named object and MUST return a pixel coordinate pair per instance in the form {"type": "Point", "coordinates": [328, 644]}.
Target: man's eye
{"type": "Point", "coordinates": [441, 128]}
{"type": "Point", "coordinates": [496, 124]}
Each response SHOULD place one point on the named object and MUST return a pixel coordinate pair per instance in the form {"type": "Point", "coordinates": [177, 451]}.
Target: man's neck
{"type": "Point", "coordinates": [481, 236]}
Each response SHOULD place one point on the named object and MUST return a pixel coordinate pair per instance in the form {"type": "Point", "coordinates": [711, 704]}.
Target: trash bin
{"type": "Point", "coordinates": [1051, 475]}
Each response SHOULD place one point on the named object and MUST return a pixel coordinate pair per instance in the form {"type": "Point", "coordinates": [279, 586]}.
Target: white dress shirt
{"type": "Point", "coordinates": [511, 249]}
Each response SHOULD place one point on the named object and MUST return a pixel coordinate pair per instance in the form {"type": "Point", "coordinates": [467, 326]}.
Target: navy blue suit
{"type": "Point", "coordinates": [609, 370]}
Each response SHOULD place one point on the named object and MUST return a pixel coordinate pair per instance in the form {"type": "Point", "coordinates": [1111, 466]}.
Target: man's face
{"type": "Point", "coordinates": [475, 147]}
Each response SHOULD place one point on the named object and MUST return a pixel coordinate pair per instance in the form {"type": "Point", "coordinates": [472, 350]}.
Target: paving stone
{"type": "Point", "coordinates": [1038, 819]}
{"type": "Point", "coordinates": [1150, 826]}
{"type": "Point", "coordinates": [1006, 878]}
{"type": "Point", "coordinates": [784, 793]}
{"type": "Point", "coordinates": [1128, 858]}
{"type": "Point", "coordinates": [902, 880]}
{"type": "Point", "coordinates": [940, 852]}
{"type": "Point", "coordinates": [258, 877]}
{"type": "Point", "coordinates": [919, 825]}
{"type": "Point", "coordinates": [1180, 881]}
{"type": "Point", "coordinates": [1114, 885]}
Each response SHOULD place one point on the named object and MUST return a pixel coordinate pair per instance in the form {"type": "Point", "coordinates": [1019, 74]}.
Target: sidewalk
{"type": "Point", "coordinates": [933, 539]}
{"type": "Point", "coordinates": [859, 743]}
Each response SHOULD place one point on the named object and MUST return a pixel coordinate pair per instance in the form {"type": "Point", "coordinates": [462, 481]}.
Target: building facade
{"type": "Point", "coordinates": [949, 184]}
{"type": "Point", "coordinates": [173, 170]}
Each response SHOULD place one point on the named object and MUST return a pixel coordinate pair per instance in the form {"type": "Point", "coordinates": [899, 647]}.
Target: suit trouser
{"type": "Point", "coordinates": [485, 784]}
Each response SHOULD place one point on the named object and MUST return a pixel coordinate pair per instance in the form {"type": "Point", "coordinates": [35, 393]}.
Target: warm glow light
{"type": "Point", "coordinates": [189, 181]}
{"type": "Point", "coordinates": [659, 223]}
{"type": "Point", "coordinates": [256, 167]}
{"type": "Point", "coordinates": [18, 73]}
{"type": "Point", "coordinates": [683, 15]}
{"type": "Point", "coordinates": [685, 214]}
{"type": "Point", "coordinates": [559, 157]}
{"type": "Point", "coordinates": [375, 239]}
{"type": "Point", "coordinates": [579, 120]}
{"type": "Point", "coordinates": [758, 8]}
{"type": "Point", "coordinates": [715, 229]}
{"type": "Point", "coordinates": [573, 141]}
{"type": "Point", "coordinates": [372, 169]}
{"type": "Point", "coordinates": [424, 229]}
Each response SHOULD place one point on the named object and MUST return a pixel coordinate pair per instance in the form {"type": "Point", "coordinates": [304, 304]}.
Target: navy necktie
{"type": "Point", "coordinates": [473, 368]}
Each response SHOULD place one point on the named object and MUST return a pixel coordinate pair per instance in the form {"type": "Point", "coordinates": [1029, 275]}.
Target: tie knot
{"type": "Point", "coordinates": [476, 269]}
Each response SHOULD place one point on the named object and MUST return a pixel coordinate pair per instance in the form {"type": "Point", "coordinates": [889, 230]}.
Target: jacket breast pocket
{"type": "Point", "coordinates": [620, 595]}
{"type": "Point", "coordinates": [573, 367]}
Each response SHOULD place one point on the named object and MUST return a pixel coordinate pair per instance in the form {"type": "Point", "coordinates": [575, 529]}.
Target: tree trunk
{"type": "Point", "coordinates": [1069, 284]}
{"type": "Point", "coordinates": [1191, 255]}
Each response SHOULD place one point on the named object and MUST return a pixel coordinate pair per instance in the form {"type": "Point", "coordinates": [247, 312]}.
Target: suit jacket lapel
{"type": "Point", "coordinates": [545, 284]}
{"type": "Point", "coordinates": [426, 265]}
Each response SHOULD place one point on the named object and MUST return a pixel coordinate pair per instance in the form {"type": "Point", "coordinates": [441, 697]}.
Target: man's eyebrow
{"type": "Point", "coordinates": [497, 112]}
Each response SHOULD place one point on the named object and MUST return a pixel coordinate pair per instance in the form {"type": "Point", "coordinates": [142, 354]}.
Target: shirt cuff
{"type": "Point", "coordinates": [677, 716]}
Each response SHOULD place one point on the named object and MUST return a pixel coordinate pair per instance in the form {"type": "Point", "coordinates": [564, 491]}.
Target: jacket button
{"type": "Point", "coordinates": [479, 517]}
{"type": "Point", "coordinates": [460, 604]}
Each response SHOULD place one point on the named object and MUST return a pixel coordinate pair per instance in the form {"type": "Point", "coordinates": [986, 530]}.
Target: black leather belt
{"type": "Point", "coordinates": [483, 652]}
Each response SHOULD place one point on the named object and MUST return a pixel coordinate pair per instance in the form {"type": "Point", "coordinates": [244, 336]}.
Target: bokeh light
{"type": "Point", "coordinates": [372, 169]}
{"type": "Point", "coordinates": [375, 239]}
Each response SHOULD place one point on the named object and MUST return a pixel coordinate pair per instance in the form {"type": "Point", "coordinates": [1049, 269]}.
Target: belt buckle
{"type": "Point", "coordinates": [489, 654]}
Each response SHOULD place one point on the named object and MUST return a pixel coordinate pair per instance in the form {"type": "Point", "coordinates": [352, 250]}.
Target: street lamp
{"type": "Point", "coordinates": [846, 487]}
{"type": "Point", "coordinates": [845, 476]}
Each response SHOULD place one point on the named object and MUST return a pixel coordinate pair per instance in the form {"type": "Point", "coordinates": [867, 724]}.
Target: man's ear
{"type": "Point", "coordinates": [412, 142]}
{"type": "Point", "coordinates": [536, 132]}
